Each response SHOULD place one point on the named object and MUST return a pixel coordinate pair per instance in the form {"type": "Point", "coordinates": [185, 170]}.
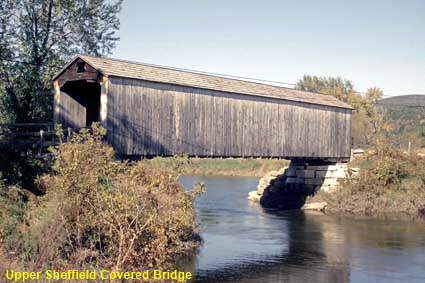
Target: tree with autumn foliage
{"type": "Point", "coordinates": [367, 117]}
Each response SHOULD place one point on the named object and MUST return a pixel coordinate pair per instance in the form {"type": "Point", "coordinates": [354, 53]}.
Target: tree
{"type": "Point", "coordinates": [338, 87]}
{"type": "Point", "coordinates": [367, 119]}
{"type": "Point", "coordinates": [37, 37]}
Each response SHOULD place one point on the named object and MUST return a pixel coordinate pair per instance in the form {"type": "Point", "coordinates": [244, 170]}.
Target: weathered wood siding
{"type": "Point", "coordinates": [69, 111]}
{"type": "Point", "coordinates": [69, 105]}
{"type": "Point", "coordinates": [72, 74]}
{"type": "Point", "coordinates": [151, 118]}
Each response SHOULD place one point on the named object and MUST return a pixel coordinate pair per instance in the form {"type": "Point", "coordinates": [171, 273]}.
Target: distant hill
{"type": "Point", "coordinates": [406, 116]}
{"type": "Point", "coordinates": [413, 99]}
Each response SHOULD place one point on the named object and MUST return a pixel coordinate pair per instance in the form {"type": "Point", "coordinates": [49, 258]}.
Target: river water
{"type": "Point", "coordinates": [245, 243]}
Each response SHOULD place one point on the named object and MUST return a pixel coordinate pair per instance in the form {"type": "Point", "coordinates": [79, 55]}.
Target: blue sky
{"type": "Point", "coordinates": [371, 42]}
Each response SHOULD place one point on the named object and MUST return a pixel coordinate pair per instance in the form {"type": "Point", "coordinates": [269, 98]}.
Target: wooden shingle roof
{"type": "Point", "coordinates": [127, 69]}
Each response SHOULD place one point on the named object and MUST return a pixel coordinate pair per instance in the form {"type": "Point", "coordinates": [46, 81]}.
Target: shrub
{"type": "Point", "coordinates": [390, 165]}
{"type": "Point", "coordinates": [389, 181]}
{"type": "Point", "coordinates": [20, 167]}
{"type": "Point", "coordinates": [106, 213]}
{"type": "Point", "coordinates": [12, 212]}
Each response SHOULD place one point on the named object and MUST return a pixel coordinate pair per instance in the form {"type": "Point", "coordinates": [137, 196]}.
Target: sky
{"type": "Point", "coordinates": [373, 43]}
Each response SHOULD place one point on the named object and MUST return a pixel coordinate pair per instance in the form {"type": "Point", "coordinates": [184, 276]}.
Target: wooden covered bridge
{"type": "Point", "coordinates": [159, 111]}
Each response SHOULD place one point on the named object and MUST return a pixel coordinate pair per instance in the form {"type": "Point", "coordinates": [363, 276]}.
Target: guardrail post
{"type": "Point", "coordinates": [40, 150]}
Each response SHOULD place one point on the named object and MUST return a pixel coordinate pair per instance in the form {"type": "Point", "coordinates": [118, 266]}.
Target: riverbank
{"type": "Point", "coordinates": [389, 182]}
{"type": "Point", "coordinates": [253, 167]}
{"type": "Point", "coordinates": [96, 213]}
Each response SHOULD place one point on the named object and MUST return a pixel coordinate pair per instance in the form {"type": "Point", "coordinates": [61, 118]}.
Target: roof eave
{"type": "Point", "coordinates": [343, 105]}
{"type": "Point", "coordinates": [86, 59]}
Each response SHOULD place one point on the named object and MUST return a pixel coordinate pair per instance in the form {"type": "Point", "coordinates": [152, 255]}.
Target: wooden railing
{"type": "Point", "coordinates": [37, 136]}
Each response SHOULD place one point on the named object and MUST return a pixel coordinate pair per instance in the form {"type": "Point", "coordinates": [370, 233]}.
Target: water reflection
{"type": "Point", "coordinates": [244, 243]}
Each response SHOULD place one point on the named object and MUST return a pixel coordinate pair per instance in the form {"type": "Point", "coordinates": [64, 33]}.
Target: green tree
{"type": "Point", "coordinates": [367, 119]}
{"type": "Point", "coordinates": [39, 36]}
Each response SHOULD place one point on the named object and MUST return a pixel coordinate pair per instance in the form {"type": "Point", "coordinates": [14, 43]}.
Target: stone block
{"type": "Point", "coordinates": [318, 206]}
{"type": "Point", "coordinates": [268, 179]}
{"type": "Point", "coordinates": [274, 173]}
{"type": "Point", "coordinates": [330, 174]}
{"type": "Point", "coordinates": [305, 173]}
{"type": "Point", "coordinates": [254, 196]}
{"type": "Point", "coordinates": [282, 177]}
{"type": "Point", "coordinates": [328, 189]}
{"type": "Point", "coordinates": [330, 182]}
{"type": "Point", "coordinates": [323, 167]}
{"type": "Point", "coordinates": [290, 188]}
{"type": "Point", "coordinates": [358, 151]}
{"type": "Point", "coordinates": [262, 185]}
{"type": "Point", "coordinates": [313, 181]}
{"type": "Point", "coordinates": [341, 174]}
{"type": "Point", "coordinates": [291, 171]}
{"type": "Point", "coordinates": [282, 170]}
{"type": "Point", "coordinates": [342, 166]}
{"type": "Point", "coordinates": [274, 189]}
{"type": "Point", "coordinates": [321, 174]}
{"type": "Point", "coordinates": [308, 189]}
{"type": "Point", "coordinates": [260, 190]}
{"type": "Point", "coordinates": [278, 183]}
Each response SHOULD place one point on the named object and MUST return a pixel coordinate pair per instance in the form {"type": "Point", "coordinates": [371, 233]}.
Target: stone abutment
{"type": "Point", "coordinates": [289, 187]}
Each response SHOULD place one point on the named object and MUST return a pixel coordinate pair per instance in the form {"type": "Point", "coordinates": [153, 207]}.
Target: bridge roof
{"type": "Point", "coordinates": [142, 71]}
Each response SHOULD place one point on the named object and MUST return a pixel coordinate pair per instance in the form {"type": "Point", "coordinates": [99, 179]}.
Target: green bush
{"type": "Point", "coordinates": [20, 167]}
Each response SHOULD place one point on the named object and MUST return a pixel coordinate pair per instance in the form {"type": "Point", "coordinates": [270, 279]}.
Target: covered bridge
{"type": "Point", "coordinates": [151, 110]}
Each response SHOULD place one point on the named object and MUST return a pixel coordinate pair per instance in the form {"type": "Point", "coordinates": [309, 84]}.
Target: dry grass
{"type": "Point", "coordinates": [221, 166]}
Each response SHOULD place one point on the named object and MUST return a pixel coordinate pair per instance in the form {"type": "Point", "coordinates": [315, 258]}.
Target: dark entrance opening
{"type": "Point", "coordinates": [92, 95]}
{"type": "Point", "coordinates": [82, 100]}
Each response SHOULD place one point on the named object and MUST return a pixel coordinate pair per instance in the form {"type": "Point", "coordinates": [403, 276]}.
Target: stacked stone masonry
{"type": "Point", "coordinates": [303, 179]}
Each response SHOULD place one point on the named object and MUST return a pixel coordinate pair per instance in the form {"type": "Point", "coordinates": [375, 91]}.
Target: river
{"type": "Point", "coordinates": [245, 243]}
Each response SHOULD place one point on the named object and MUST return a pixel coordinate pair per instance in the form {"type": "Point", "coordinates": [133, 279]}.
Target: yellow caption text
{"type": "Point", "coordinates": [21, 276]}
